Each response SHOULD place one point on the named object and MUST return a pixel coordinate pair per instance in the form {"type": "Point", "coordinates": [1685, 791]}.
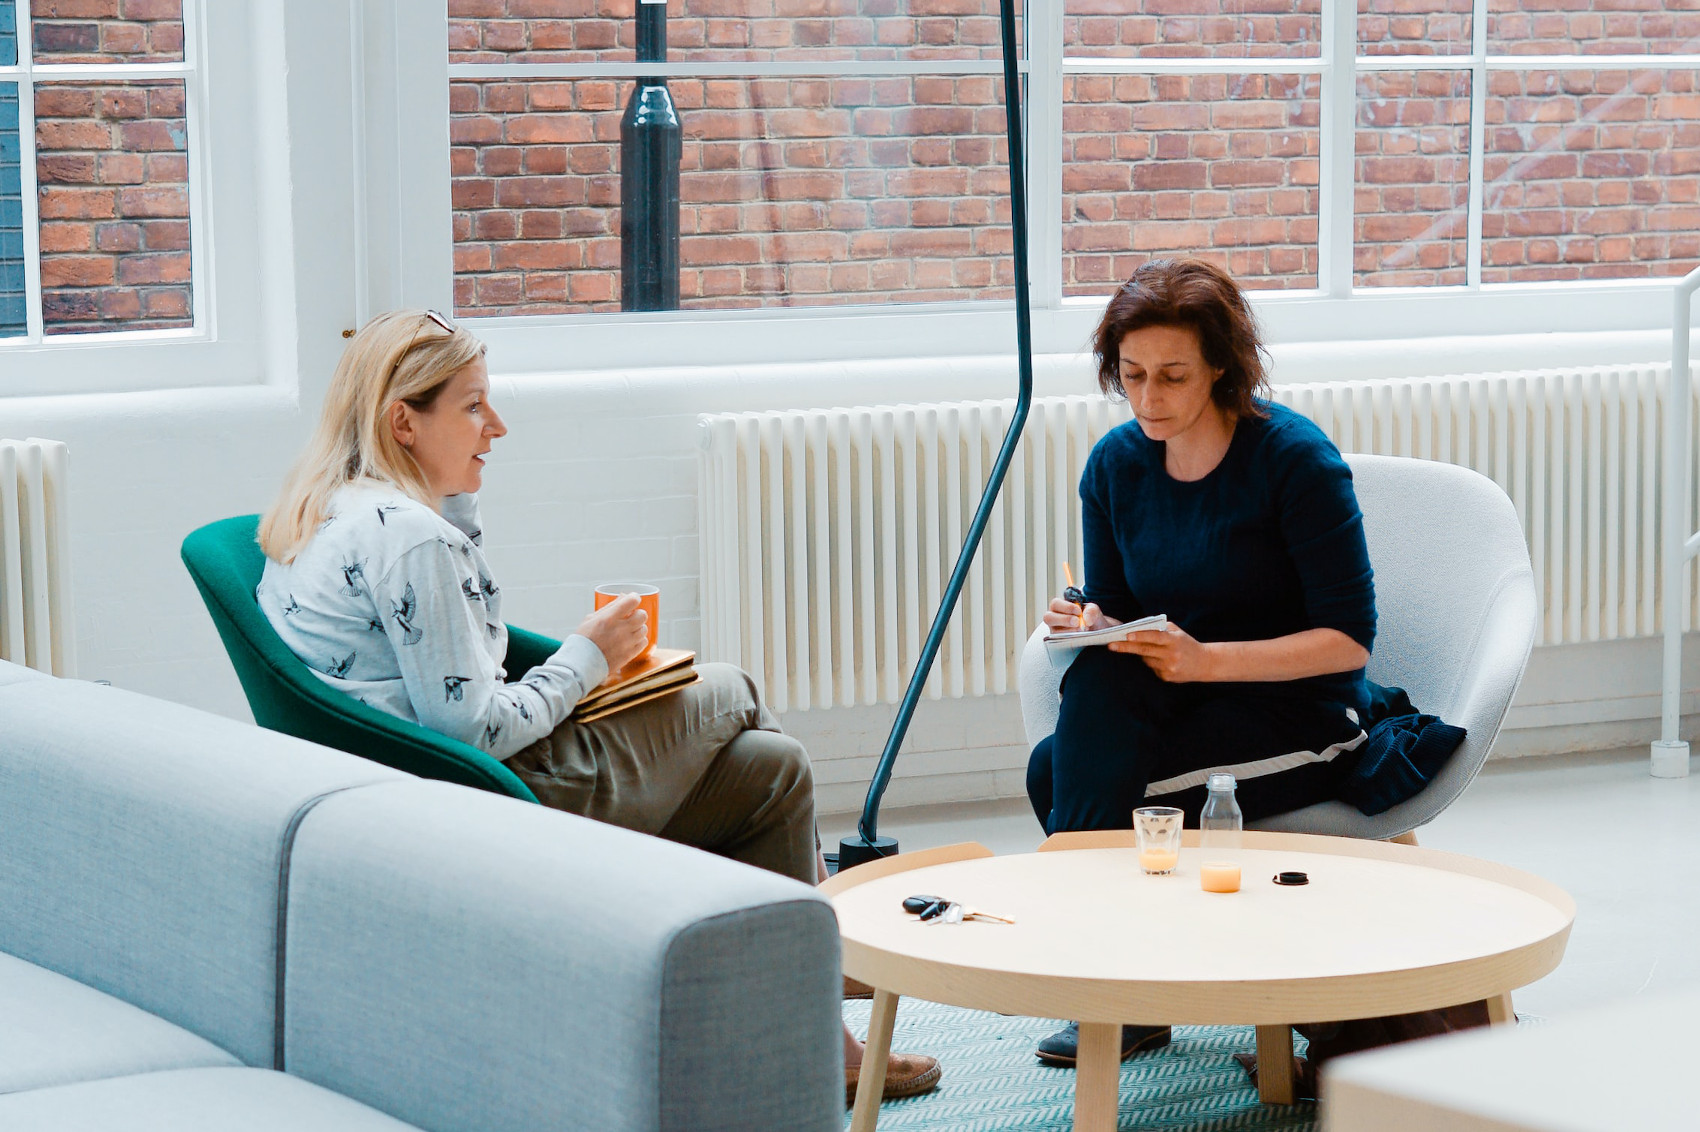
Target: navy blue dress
{"type": "Point", "coordinates": [1269, 543]}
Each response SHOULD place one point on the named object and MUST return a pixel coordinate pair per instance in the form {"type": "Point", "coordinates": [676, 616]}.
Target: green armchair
{"type": "Point", "coordinates": [225, 561]}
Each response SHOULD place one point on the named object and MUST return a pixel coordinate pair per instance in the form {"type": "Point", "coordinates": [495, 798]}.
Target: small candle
{"type": "Point", "coordinates": [1219, 876]}
{"type": "Point", "coordinates": [1158, 860]}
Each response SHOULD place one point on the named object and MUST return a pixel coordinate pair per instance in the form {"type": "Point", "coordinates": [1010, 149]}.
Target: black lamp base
{"type": "Point", "coordinates": [853, 851]}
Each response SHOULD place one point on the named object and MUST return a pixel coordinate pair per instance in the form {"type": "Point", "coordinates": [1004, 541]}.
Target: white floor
{"type": "Point", "coordinates": [1625, 845]}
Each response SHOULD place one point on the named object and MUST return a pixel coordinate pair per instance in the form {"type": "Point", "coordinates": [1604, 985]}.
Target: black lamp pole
{"type": "Point", "coordinates": [649, 178]}
{"type": "Point", "coordinates": [867, 845]}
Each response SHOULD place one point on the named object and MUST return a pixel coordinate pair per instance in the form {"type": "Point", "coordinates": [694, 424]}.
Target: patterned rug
{"type": "Point", "coordinates": [993, 1083]}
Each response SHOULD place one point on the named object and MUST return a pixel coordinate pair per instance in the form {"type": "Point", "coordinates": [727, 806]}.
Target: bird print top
{"type": "Point", "coordinates": [395, 605]}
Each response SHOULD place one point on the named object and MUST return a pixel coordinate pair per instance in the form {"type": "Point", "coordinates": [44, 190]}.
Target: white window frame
{"type": "Point", "coordinates": [1336, 311]}
{"type": "Point", "coordinates": [220, 349]}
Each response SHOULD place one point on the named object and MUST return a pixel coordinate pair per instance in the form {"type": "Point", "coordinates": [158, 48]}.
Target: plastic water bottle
{"type": "Point", "coordinates": [1220, 823]}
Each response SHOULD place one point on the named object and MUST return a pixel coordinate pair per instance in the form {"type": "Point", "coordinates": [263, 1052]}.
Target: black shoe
{"type": "Point", "coordinates": [1063, 1047]}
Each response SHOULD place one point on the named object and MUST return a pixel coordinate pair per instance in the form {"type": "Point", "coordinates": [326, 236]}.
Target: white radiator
{"type": "Point", "coordinates": [36, 627]}
{"type": "Point", "coordinates": [827, 535]}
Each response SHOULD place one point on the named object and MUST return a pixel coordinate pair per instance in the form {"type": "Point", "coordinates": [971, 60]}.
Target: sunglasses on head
{"type": "Point", "coordinates": [430, 316]}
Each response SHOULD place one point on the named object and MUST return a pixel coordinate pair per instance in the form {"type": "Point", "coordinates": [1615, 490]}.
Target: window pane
{"type": "Point", "coordinates": [1219, 166]}
{"type": "Point", "coordinates": [13, 320]}
{"type": "Point", "coordinates": [8, 33]}
{"type": "Point", "coordinates": [698, 31]}
{"type": "Point", "coordinates": [108, 31]}
{"type": "Point", "coordinates": [113, 167]}
{"type": "Point", "coordinates": [1592, 27]}
{"type": "Point", "coordinates": [1413, 178]}
{"type": "Point", "coordinates": [794, 192]}
{"type": "Point", "coordinates": [1414, 27]}
{"type": "Point", "coordinates": [1590, 175]}
{"type": "Point", "coordinates": [1218, 29]}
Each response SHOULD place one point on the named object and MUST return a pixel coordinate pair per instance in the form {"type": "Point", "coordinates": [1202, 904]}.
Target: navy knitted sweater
{"type": "Point", "coordinates": [1271, 542]}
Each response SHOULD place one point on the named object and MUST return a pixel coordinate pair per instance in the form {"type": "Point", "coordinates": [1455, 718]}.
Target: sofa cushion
{"type": "Point", "coordinates": [191, 1100]}
{"type": "Point", "coordinates": [16, 673]}
{"type": "Point", "coordinates": [57, 1032]}
{"type": "Point", "coordinates": [471, 962]}
{"type": "Point", "coordinates": [140, 848]}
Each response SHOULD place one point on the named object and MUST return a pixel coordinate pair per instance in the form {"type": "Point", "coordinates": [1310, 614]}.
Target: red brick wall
{"type": "Point", "coordinates": [794, 192]}
{"type": "Point", "coordinates": [1591, 175]}
{"type": "Point", "coordinates": [801, 192]}
{"type": "Point", "coordinates": [1417, 27]}
{"type": "Point", "coordinates": [587, 31]}
{"type": "Point", "coordinates": [1412, 196]}
{"type": "Point", "coordinates": [1217, 29]}
{"type": "Point", "coordinates": [108, 31]}
{"type": "Point", "coordinates": [1221, 166]}
{"type": "Point", "coordinates": [1591, 27]}
{"type": "Point", "coordinates": [113, 170]}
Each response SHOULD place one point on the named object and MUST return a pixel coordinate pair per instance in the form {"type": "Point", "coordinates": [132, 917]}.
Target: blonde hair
{"type": "Point", "coordinates": [400, 356]}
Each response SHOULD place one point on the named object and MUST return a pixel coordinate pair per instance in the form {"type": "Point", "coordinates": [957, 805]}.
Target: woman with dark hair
{"type": "Point", "coordinates": [1234, 517]}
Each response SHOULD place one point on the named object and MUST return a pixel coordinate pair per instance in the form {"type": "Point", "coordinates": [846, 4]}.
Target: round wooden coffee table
{"type": "Point", "coordinates": [1380, 929]}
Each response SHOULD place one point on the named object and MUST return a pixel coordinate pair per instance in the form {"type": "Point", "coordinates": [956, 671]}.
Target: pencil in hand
{"type": "Point", "coordinates": [1073, 593]}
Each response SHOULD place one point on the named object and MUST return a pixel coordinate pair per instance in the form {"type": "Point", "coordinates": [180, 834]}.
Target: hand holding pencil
{"type": "Point", "coordinates": [1072, 611]}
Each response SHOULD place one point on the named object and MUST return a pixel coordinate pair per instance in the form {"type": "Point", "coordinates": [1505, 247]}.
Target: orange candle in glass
{"type": "Point", "coordinates": [1219, 876]}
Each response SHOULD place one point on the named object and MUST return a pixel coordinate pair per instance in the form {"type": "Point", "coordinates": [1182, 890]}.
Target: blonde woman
{"type": "Point", "coordinates": [376, 579]}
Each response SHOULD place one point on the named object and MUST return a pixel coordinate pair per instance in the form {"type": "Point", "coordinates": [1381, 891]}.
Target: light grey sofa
{"type": "Point", "coordinates": [204, 925]}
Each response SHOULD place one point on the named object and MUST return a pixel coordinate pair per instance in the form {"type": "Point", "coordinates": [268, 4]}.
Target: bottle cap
{"type": "Point", "coordinates": [1221, 780]}
{"type": "Point", "coordinates": [1291, 878]}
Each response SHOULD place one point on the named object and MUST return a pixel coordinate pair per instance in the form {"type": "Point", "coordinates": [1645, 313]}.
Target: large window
{"type": "Point", "coordinates": [97, 193]}
{"type": "Point", "coordinates": [851, 155]}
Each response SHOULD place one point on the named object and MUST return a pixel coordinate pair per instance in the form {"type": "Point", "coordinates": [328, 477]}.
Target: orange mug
{"type": "Point", "coordinates": [649, 600]}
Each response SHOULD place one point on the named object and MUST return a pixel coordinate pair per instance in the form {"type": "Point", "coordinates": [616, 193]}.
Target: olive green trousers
{"type": "Point", "coordinates": [706, 766]}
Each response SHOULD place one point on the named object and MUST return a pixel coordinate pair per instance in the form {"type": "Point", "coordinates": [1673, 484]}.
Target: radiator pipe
{"type": "Point", "coordinates": [868, 845]}
{"type": "Point", "coordinates": [1670, 753]}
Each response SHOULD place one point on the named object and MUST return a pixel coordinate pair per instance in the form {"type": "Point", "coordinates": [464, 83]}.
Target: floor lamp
{"type": "Point", "coordinates": [867, 845]}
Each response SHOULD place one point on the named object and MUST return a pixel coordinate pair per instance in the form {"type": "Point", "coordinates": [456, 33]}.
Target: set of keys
{"type": "Point", "coordinates": [938, 910]}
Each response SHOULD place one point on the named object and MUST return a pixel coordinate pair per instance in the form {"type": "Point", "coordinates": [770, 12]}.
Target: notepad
{"type": "Point", "coordinates": [656, 674]}
{"type": "Point", "coordinates": [1072, 642]}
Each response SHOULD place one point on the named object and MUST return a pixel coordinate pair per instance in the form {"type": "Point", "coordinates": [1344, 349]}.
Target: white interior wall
{"type": "Point", "coordinates": [597, 480]}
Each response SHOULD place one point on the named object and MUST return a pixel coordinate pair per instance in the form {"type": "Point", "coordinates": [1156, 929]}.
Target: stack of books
{"type": "Point", "coordinates": [656, 674]}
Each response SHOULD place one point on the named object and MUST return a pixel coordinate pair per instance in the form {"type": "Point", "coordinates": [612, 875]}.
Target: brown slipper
{"type": "Point", "coordinates": [1304, 1077]}
{"type": "Point", "coordinates": [906, 1075]}
{"type": "Point", "coordinates": [855, 988]}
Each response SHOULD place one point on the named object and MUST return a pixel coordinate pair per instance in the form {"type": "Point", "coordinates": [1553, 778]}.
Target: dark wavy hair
{"type": "Point", "coordinates": [1191, 293]}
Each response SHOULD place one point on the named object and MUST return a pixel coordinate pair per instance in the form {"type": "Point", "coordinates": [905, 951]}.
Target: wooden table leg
{"type": "Point", "coordinates": [871, 1083]}
{"type": "Point", "coordinates": [1275, 1064]}
{"type": "Point", "coordinates": [1097, 1077]}
{"type": "Point", "coordinates": [1499, 1010]}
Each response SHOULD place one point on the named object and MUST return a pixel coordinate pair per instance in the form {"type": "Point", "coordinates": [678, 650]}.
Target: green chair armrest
{"type": "Point", "coordinates": [526, 650]}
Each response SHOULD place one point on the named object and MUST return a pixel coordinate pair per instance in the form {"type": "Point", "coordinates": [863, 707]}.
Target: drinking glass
{"type": "Point", "coordinates": [1158, 829]}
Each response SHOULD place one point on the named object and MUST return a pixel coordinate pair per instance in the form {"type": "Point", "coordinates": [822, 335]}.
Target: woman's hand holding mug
{"type": "Point", "coordinates": [620, 629]}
